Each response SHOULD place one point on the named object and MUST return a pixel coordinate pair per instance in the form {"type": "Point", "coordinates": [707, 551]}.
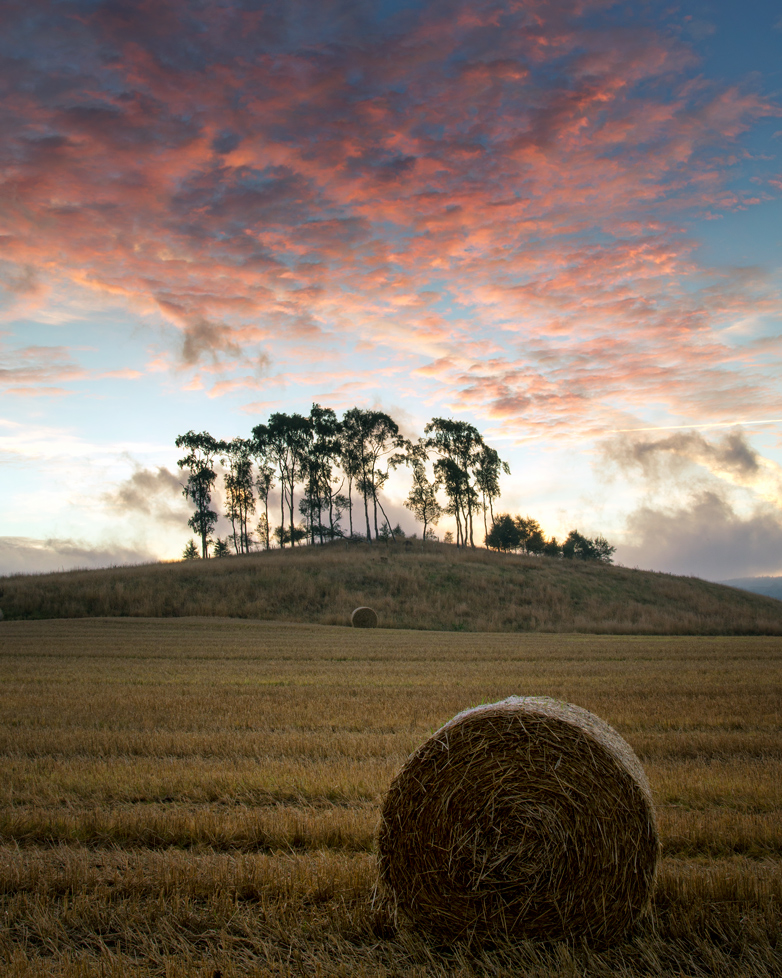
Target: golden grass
{"type": "Point", "coordinates": [438, 587]}
{"type": "Point", "coordinates": [184, 796]}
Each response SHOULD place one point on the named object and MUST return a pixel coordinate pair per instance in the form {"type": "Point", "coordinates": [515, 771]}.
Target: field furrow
{"type": "Point", "coordinates": [181, 798]}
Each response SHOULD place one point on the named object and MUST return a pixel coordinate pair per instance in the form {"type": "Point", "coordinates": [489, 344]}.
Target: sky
{"type": "Point", "coordinates": [559, 220]}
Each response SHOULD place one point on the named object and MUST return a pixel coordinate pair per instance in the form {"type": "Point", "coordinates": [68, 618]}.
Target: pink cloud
{"type": "Point", "coordinates": [38, 371]}
{"type": "Point", "coordinates": [496, 192]}
{"type": "Point", "coordinates": [123, 374]}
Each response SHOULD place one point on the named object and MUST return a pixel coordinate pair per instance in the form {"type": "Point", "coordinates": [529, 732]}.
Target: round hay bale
{"type": "Point", "coordinates": [364, 618]}
{"type": "Point", "coordinates": [528, 818]}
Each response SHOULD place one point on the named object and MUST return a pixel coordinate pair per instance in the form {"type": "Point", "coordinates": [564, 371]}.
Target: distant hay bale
{"type": "Point", "coordinates": [528, 818]}
{"type": "Point", "coordinates": [364, 618]}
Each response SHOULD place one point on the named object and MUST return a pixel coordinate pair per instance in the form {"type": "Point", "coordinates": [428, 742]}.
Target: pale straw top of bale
{"type": "Point", "coordinates": [590, 723]}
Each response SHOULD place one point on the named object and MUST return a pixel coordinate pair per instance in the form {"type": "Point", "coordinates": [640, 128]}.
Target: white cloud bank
{"type": "Point", "coordinates": [705, 539]}
{"type": "Point", "coordinates": [712, 507]}
{"type": "Point", "coordinates": [26, 555]}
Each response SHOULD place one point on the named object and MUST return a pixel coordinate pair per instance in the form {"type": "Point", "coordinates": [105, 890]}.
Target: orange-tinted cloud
{"type": "Point", "coordinates": [37, 371]}
{"type": "Point", "coordinates": [494, 193]}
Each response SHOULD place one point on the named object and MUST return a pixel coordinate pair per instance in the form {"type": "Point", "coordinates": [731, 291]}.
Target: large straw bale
{"type": "Point", "coordinates": [528, 818]}
{"type": "Point", "coordinates": [364, 618]}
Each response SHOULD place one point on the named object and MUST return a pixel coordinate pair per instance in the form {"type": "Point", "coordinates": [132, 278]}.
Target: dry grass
{"type": "Point", "coordinates": [440, 587]}
{"type": "Point", "coordinates": [185, 796]}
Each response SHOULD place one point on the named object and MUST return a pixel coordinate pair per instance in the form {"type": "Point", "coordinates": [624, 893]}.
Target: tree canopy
{"type": "Point", "coordinates": [522, 534]}
{"type": "Point", "coordinates": [320, 465]}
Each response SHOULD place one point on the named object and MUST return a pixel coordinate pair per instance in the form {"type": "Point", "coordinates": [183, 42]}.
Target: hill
{"type": "Point", "coordinates": [439, 587]}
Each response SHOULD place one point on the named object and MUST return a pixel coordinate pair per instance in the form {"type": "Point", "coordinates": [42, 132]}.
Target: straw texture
{"type": "Point", "coordinates": [364, 618]}
{"type": "Point", "coordinates": [528, 818]}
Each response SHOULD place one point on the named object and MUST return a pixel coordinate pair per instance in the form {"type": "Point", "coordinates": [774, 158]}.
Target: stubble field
{"type": "Point", "coordinates": [191, 797]}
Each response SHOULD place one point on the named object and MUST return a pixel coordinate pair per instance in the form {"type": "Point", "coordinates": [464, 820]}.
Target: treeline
{"type": "Point", "coordinates": [521, 534]}
{"type": "Point", "coordinates": [338, 468]}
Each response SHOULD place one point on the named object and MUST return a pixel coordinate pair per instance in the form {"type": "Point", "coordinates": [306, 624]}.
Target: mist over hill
{"type": "Point", "coordinates": [770, 586]}
{"type": "Point", "coordinates": [437, 587]}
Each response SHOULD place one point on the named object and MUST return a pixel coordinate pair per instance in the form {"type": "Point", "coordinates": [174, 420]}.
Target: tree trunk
{"type": "Point", "coordinates": [366, 504]}
{"type": "Point", "coordinates": [290, 500]}
{"type": "Point", "coordinates": [366, 514]}
{"type": "Point", "coordinates": [266, 511]}
{"type": "Point", "coordinates": [282, 508]}
{"type": "Point", "coordinates": [233, 528]}
{"type": "Point", "coordinates": [388, 522]}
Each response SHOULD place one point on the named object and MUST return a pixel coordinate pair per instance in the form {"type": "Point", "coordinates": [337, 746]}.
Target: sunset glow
{"type": "Point", "coordinates": [558, 220]}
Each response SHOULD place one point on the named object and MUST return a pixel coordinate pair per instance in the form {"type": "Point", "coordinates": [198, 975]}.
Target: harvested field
{"type": "Point", "coordinates": [192, 796]}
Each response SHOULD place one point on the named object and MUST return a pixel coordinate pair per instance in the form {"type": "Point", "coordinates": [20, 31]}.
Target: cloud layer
{"type": "Point", "coordinates": [156, 494]}
{"type": "Point", "coordinates": [26, 555]}
{"type": "Point", "coordinates": [713, 505]}
{"type": "Point", "coordinates": [491, 194]}
{"type": "Point", "coordinates": [706, 538]}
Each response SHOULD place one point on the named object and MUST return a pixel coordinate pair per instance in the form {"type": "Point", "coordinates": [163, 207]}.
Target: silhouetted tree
{"type": "Point", "coordinates": [263, 531]}
{"type": "Point", "coordinates": [531, 536]}
{"type": "Point", "coordinates": [535, 542]}
{"type": "Point", "coordinates": [552, 548]}
{"type": "Point", "coordinates": [603, 550]}
{"type": "Point", "coordinates": [350, 458]}
{"type": "Point", "coordinates": [240, 501]}
{"type": "Point", "coordinates": [466, 465]}
{"type": "Point", "coordinates": [309, 452]}
{"type": "Point", "coordinates": [201, 451]}
{"type": "Point", "coordinates": [422, 499]}
{"type": "Point", "coordinates": [285, 441]}
{"type": "Point", "coordinates": [191, 551]}
{"type": "Point", "coordinates": [579, 547]}
{"type": "Point", "coordinates": [487, 478]}
{"type": "Point", "coordinates": [221, 548]}
{"type": "Point", "coordinates": [455, 483]}
{"type": "Point", "coordinates": [284, 535]}
{"type": "Point", "coordinates": [318, 473]}
{"type": "Point", "coordinates": [369, 437]}
{"type": "Point", "coordinates": [504, 534]}
{"type": "Point", "coordinates": [264, 483]}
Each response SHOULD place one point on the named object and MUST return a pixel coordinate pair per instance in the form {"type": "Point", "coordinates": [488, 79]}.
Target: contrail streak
{"type": "Point", "coordinates": [714, 424]}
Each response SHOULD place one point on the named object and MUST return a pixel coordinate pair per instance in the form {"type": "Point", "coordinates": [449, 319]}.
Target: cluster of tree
{"type": "Point", "coordinates": [335, 465]}
{"type": "Point", "coordinates": [521, 534]}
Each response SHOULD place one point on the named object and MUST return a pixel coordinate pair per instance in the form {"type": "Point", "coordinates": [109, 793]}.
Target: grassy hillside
{"type": "Point", "coordinates": [440, 587]}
